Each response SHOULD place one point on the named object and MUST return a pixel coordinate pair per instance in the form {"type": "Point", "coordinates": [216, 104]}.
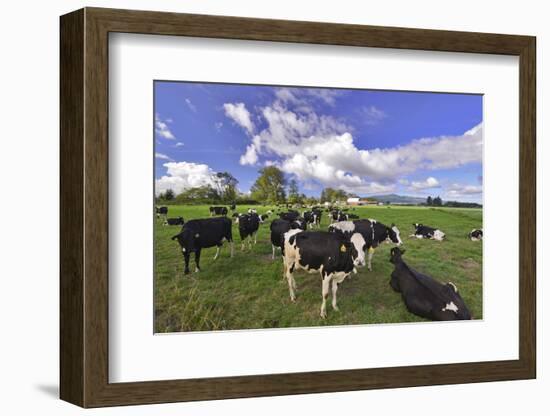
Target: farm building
{"type": "Point", "coordinates": [360, 201]}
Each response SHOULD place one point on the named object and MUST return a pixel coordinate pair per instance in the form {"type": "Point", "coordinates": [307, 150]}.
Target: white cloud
{"type": "Point", "coordinates": [179, 144]}
{"type": "Point", "coordinates": [429, 183]}
{"type": "Point", "coordinates": [321, 149]}
{"type": "Point", "coordinates": [218, 125]}
{"type": "Point", "coordinates": [184, 175]}
{"type": "Point", "coordinates": [162, 156]}
{"type": "Point", "coordinates": [190, 105]}
{"type": "Point", "coordinates": [460, 190]}
{"type": "Point", "coordinates": [372, 115]}
{"type": "Point", "coordinates": [250, 157]}
{"type": "Point", "coordinates": [162, 129]}
{"type": "Point", "coordinates": [240, 115]}
{"type": "Point", "coordinates": [301, 97]}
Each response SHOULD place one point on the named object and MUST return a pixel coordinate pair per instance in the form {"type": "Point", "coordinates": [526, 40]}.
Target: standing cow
{"type": "Point", "coordinates": [425, 296]}
{"type": "Point", "coordinates": [373, 232]}
{"type": "Point", "coordinates": [334, 256]}
{"type": "Point", "coordinates": [203, 233]}
{"type": "Point", "coordinates": [312, 218]}
{"type": "Point", "coordinates": [423, 231]}
{"type": "Point", "coordinates": [248, 228]}
{"type": "Point", "coordinates": [278, 229]}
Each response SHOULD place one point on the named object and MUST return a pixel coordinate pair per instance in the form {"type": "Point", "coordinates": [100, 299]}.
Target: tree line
{"type": "Point", "coordinates": [271, 187]}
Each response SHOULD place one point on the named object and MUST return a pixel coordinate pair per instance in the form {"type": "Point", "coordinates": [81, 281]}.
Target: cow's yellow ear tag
{"type": "Point", "coordinates": [343, 248]}
{"type": "Point", "coordinates": [371, 249]}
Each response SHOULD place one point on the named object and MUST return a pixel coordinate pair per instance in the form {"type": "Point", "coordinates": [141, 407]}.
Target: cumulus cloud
{"type": "Point", "coordinates": [319, 148]}
{"type": "Point", "coordinates": [162, 129]}
{"type": "Point", "coordinates": [429, 183]}
{"type": "Point", "coordinates": [240, 115]}
{"type": "Point", "coordinates": [250, 157]}
{"type": "Point", "coordinates": [162, 156]}
{"type": "Point", "coordinates": [178, 144]}
{"type": "Point", "coordinates": [184, 175]}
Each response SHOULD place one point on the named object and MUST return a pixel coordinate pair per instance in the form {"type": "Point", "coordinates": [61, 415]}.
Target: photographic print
{"type": "Point", "coordinates": [300, 206]}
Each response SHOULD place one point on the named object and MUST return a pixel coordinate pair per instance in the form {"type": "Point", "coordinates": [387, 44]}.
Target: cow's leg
{"type": "Point", "coordinates": [242, 244]}
{"type": "Point", "coordinates": [232, 247]}
{"type": "Point", "coordinates": [369, 264]}
{"type": "Point", "coordinates": [186, 258]}
{"type": "Point", "coordinates": [217, 252]}
{"type": "Point", "coordinates": [324, 293]}
{"type": "Point", "coordinates": [255, 237]}
{"type": "Point", "coordinates": [272, 252]}
{"type": "Point", "coordinates": [291, 282]}
{"type": "Point", "coordinates": [197, 260]}
{"type": "Point", "coordinates": [334, 290]}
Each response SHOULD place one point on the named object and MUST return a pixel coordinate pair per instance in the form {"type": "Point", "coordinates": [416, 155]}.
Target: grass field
{"type": "Point", "coordinates": [247, 291]}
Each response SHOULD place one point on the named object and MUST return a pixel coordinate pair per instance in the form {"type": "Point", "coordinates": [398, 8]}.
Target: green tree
{"type": "Point", "coordinates": [333, 195]}
{"type": "Point", "coordinates": [226, 186]}
{"type": "Point", "coordinates": [429, 201]}
{"type": "Point", "coordinates": [169, 195]}
{"type": "Point", "coordinates": [269, 186]}
{"type": "Point", "coordinates": [199, 195]}
{"type": "Point", "coordinates": [437, 202]}
{"type": "Point", "coordinates": [293, 192]}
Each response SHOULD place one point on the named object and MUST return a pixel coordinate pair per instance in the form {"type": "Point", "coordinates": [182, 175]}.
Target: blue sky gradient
{"type": "Point", "coordinates": [363, 141]}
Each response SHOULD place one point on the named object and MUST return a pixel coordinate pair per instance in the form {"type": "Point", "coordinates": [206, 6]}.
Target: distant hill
{"type": "Point", "coordinates": [398, 199]}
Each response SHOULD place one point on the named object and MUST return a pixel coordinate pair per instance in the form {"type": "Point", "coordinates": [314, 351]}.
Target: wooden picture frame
{"type": "Point", "coordinates": [84, 207]}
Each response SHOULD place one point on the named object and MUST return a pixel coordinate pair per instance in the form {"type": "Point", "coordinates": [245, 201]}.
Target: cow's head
{"type": "Point", "coordinates": [359, 245]}
{"type": "Point", "coordinates": [394, 235]}
{"type": "Point", "coordinates": [188, 240]}
{"type": "Point", "coordinates": [395, 255]}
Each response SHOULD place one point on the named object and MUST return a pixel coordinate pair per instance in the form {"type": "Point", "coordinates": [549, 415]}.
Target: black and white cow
{"type": "Point", "coordinates": [312, 218]}
{"type": "Point", "coordinates": [233, 207]}
{"type": "Point", "coordinates": [218, 211]}
{"type": "Point", "coordinates": [337, 215]}
{"type": "Point", "coordinates": [425, 296]}
{"type": "Point", "coordinates": [203, 233]}
{"type": "Point", "coordinates": [291, 215]}
{"type": "Point", "coordinates": [278, 229]}
{"type": "Point", "coordinates": [174, 221]}
{"type": "Point", "coordinates": [476, 234]}
{"type": "Point", "coordinates": [423, 231]}
{"type": "Point", "coordinates": [161, 211]}
{"type": "Point", "coordinates": [248, 228]}
{"type": "Point", "coordinates": [373, 232]}
{"type": "Point", "coordinates": [334, 256]}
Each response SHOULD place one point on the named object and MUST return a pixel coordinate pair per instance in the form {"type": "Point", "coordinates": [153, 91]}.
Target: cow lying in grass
{"type": "Point", "coordinates": [203, 233]}
{"type": "Point", "coordinates": [425, 296]}
{"type": "Point", "coordinates": [332, 255]}
{"type": "Point", "coordinates": [423, 231]}
{"type": "Point", "coordinates": [174, 221]}
{"type": "Point", "coordinates": [476, 235]}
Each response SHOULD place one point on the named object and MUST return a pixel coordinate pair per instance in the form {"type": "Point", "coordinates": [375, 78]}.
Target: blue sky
{"type": "Point", "coordinates": [363, 141]}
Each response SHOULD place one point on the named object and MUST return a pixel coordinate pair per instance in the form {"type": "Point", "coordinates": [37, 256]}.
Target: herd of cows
{"type": "Point", "coordinates": [334, 254]}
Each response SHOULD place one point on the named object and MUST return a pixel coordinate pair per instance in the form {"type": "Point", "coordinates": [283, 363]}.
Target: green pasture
{"type": "Point", "coordinates": [248, 290]}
